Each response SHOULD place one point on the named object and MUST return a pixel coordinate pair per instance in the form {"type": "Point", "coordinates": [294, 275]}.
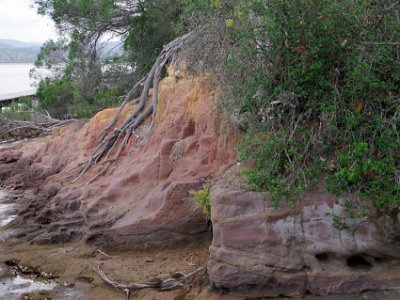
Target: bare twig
{"type": "Point", "coordinates": [162, 285]}
{"type": "Point", "coordinates": [392, 6]}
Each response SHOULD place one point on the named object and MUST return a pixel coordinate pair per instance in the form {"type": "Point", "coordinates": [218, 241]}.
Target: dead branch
{"type": "Point", "coordinates": [15, 129]}
{"type": "Point", "coordinates": [111, 135]}
{"type": "Point", "coordinates": [162, 285]}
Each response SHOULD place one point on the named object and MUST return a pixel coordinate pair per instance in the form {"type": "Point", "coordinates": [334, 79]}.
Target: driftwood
{"type": "Point", "coordinates": [41, 124]}
{"type": "Point", "coordinates": [163, 285]}
{"type": "Point", "coordinates": [107, 151]}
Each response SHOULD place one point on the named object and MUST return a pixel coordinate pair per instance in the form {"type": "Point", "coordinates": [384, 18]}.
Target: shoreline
{"type": "Point", "coordinates": [72, 265]}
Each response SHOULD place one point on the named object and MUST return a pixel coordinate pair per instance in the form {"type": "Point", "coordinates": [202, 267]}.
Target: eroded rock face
{"type": "Point", "coordinates": [145, 198]}
{"type": "Point", "coordinates": [260, 251]}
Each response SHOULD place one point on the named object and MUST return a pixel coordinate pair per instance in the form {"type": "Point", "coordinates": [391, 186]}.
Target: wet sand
{"type": "Point", "coordinates": [73, 267]}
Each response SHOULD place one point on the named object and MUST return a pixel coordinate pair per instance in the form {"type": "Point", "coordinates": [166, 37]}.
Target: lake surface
{"type": "Point", "coordinates": [14, 78]}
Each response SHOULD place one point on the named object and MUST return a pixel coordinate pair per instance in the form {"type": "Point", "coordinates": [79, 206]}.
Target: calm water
{"type": "Point", "coordinates": [14, 78]}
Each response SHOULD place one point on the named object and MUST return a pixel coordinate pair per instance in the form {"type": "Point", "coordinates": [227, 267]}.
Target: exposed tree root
{"type": "Point", "coordinates": [163, 285]}
{"type": "Point", "coordinates": [114, 140]}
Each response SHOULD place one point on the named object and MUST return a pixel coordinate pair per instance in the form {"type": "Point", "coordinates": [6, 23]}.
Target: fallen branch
{"type": "Point", "coordinates": [14, 129]}
{"type": "Point", "coordinates": [162, 285]}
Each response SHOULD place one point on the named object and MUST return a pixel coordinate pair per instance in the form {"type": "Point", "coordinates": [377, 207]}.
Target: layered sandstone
{"type": "Point", "coordinates": [145, 198]}
{"type": "Point", "coordinates": [260, 251]}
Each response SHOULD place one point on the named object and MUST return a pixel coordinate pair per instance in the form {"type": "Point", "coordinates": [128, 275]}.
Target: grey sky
{"type": "Point", "coordinates": [19, 21]}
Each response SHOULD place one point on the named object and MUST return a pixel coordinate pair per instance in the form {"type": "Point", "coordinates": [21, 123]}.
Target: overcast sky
{"type": "Point", "coordinates": [19, 21]}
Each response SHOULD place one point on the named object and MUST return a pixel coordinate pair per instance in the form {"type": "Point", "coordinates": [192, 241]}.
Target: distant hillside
{"type": "Point", "coordinates": [19, 44]}
{"type": "Point", "coordinates": [12, 51]}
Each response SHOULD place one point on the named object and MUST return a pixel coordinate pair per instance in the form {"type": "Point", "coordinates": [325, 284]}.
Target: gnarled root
{"type": "Point", "coordinates": [109, 140]}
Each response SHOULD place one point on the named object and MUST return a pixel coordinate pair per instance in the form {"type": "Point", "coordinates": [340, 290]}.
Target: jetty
{"type": "Point", "coordinates": [6, 99]}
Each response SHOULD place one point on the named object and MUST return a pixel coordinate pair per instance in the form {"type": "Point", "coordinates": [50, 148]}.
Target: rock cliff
{"type": "Point", "coordinates": [144, 202]}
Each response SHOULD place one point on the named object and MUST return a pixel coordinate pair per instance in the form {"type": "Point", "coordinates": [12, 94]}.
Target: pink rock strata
{"type": "Point", "coordinates": [260, 251]}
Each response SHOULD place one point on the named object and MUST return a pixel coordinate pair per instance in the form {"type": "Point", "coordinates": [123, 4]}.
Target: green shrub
{"type": "Point", "coordinates": [202, 197]}
{"type": "Point", "coordinates": [62, 99]}
{"type": "Point", "coordinates": [54, 96]}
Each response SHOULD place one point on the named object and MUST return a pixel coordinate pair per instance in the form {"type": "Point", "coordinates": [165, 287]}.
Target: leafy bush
{"type": "Point", "coordinates": [317, 86]}
{"type": "Point", "coordinates": [54, 96]}
{"type": "Point", "coordinates": [63, 99]}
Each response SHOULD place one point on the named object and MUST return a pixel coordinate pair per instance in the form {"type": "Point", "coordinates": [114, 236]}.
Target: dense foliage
{"type": "Point", "coordinates": [314, 85]}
